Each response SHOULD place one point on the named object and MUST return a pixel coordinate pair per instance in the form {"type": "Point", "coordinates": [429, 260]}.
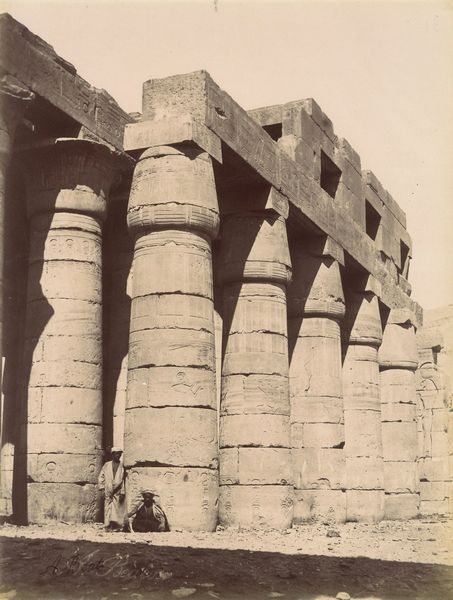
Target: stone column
{"type": "Point", "coordinates": [398, 360]}
{"type": "Point", "coordinates": [14, 100]}
{"type": "Point", "coordinates": [171, 417]}
{"type": "Point", "coordinates": [433, 430]}
{"type": "Point", "coordinates": [362, 408]}
{"type": "Point", "coordinates": [315, 308]}
{"type": "Point", "coordinates": [67, 186]}
{"type": "Point", "coordinates": [255, 447]}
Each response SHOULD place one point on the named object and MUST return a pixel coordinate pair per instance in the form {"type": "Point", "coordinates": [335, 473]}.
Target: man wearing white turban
{"type": "Point", "coordinates": [111, 484]}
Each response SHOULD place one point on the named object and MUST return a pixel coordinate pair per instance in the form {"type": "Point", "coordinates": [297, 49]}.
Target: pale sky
{"type": "Point", "coordinates": [382, 71]}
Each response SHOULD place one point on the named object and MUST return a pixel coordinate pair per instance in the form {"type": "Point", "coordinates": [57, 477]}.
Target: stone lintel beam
{"type": "Point", "coordinates": [33, 61]}
{"type": "Point", "coordinates": [197, 94]}
{"type": "Point", "coordinates": [171, 131]}
{"type": "Point", "coordinates": [325, 246]}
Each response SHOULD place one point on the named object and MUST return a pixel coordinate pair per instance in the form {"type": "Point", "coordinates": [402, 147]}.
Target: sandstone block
{"type": "Point", "coordinates": [58, 316]}
{"type": "Point", "coordinates": [365, 505]}
{"type": "Point", "coordinates": [262, 507]}
{"type": "Point", "coordinates": [323, 435]}
{"type": "Point", "coordinates": [254, 394]}
{"type": "Point", "coordinates": [189, 496]}
{"type": "Point", "coordinates": [64, 468]}
{"type": "Point", "coordinates": [175, 436]}
{"type": "Point", "coordinates": [254, 430]}
{"type": "Point", "coordinates": [169, 263]}
{"type": "Point", "coordinates": [434, 469]}
{"type": "Point", "coordinates": [400, 477]}
{"type": "Point", "coordinates": [255, 466]}
{"type": "Point", "coordinates": [173, 347]}
{"type": "Point", "coordinates": [315, 409]}
{"type": "Point", "coordinates": [55, 438]}
{"type": "Point", "coordinates": [61, 502]}
{"type": "Point", "coordinates": [364, 473]}
{"type": "Point", "coordinates": [434, 507]}
{"type": "Point", "coordinates": [362, 433]}
{"type": "Point", "coordinates": [66, 373]}
{"type": "Point", "coordinates": [397, 411]}
{"type": "Point", "coordinates": [401, 506]}
{"type": "Point", "coordinates": [433, 490]}
{"type": "Point", "coordinates": [399, 441]}
{"type": "Point", "coordinates": [320, 504]}
{"type": "Point", "coordinates": [319, 468]}
{"type": "Point", "coordinates": [64, 405]}
{"type": "Point", "coordinates": [173, 311]}
{"type": "Point", "coordinates": [50, 280]}
{"type": "Point", "coordinates": [171, 386]}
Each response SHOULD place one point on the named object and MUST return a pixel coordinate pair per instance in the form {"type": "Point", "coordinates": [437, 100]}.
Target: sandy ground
{"type": "Point", "coordinates": [387, 561]}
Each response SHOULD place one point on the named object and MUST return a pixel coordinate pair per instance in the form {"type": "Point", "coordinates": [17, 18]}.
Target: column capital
{"type": "Point", "coordinates": [71, 175]}
{"type": "Point", "coordinates": [399, 345]}
{"type": "Point", "coordinates": [173, 188]}
{"type": "Point", "coordinates": [363, 320]}
{"type": "Point", "coordinates": [254, 247]}
{"type": "Point", "coordinates": [316, 289]}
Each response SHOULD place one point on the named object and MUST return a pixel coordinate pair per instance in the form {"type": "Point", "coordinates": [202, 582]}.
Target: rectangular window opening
{"type": "Point", "coordinates": [372, 220]}
{"type": "Point", "coordinates": [330, 175]}
{"type": "Point", "coordinates": [404, 252]}
{"type": "Point", "coordinates": [275, 131]}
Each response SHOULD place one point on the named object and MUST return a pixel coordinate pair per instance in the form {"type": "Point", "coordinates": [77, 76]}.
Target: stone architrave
{"type": "Point", "coordinates": [171, 417]}
{"type": "Point", "coordinates": [255, 447]}
{"type": "Point", "coordinates": [315, 308]}
{"type": "Point", "coordinates": [68, 183]}
{"type": "Point", "coordinates": [398, 361]}
{"type": "Point", "coordinates": [362, 409]}
{"type": "Point", "coordinates": [14, 100]}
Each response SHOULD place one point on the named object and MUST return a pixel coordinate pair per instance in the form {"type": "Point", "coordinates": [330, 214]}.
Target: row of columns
{"type": "Point", "coordinates": [300, 432]}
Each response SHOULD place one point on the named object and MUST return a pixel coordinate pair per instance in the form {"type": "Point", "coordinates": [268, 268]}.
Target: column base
{"type": "Point", "coordinates": [401, 506]}
{"type": "Point", "coordinates": [319, 505]}
{"type": "Point", "coordinates": [256, 506]}
{"type": "Point", "coordinates": [67, 502]}
{"type": "Point", "coordinates": [365, 506]}
{"type": "Point", "coordinates": [189, 496]}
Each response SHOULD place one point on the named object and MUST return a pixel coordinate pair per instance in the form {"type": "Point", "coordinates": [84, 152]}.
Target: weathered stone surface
{"type": "Point", "coordinates": [400, 477]}
{"type": "Point", "coordinates": [64, 468]}
{"type": "Point", "coordinates": [399, 441]}
{"type": "Point", "coordinates": [402, 506]}
{"type": "Point", "coordinates": [68, 502]}
{"type": "Point", "coordinates": [57, 437]}
{"type": "Point", "coordinates": [364, 473]}
{"type": "Point", "coordinates": [171, 386]}
{"type": "Point", "coordinates": [255, 394]}
{"type": "Point", "coordinates": [319, 504]}
{"type": "Point", "coordinates": [255, 466]}
{"type": "Point", "coordinates": [254, 430]}
{"type": "Point", "coordinates": [319, 468]}
{"type": "Point", "coordinates": [365, 505]}
{"type": "Point", "coordinates": [256, 506]}
{"type": "Point", "coordinates": [150, 436]}
{"type": "Point", "coordinates": [189, 496]}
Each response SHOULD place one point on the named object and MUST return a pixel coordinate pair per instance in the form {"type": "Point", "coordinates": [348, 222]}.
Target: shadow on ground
{"type": "Point", "coordinates": [69, 570]}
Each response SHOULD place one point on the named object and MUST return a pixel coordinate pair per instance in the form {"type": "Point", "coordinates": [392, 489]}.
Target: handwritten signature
{"type": "Point", "coordinates": [118, 566]}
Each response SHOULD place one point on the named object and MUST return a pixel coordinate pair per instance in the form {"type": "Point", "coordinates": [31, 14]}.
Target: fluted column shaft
{"type": "Point", "coordinates": [315, 308]}
{"type": "Point", "coordinates": [398, 362]}
{"type": "Point", "coordinates": [67, 187]}
{"type": "Point", "coordinates": [362, 409]}
{"type": "Point", "coordinates": [171, 417]}
{"type": "Point", "coordinates": [255, 455]}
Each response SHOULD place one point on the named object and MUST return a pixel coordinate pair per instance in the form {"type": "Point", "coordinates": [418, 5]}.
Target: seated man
{"type": "Point", "coordinates": [149, 516]}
